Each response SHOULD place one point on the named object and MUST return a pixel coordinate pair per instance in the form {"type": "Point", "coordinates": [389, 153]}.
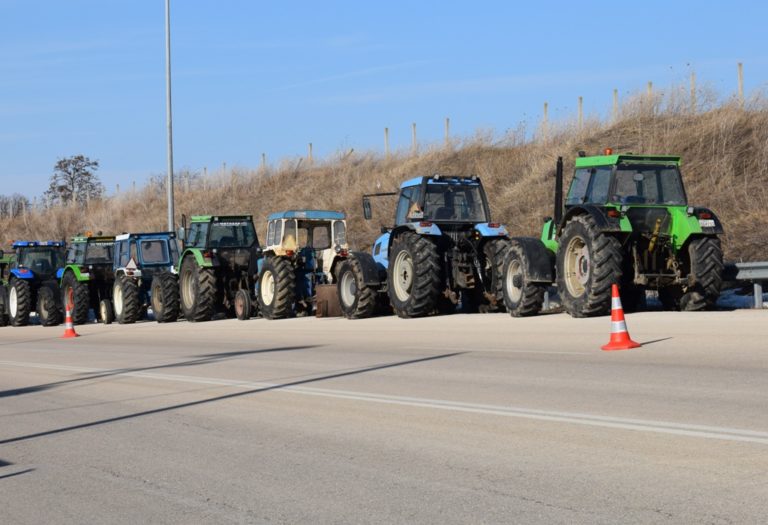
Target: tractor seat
{"type": "Point", "coordinates": [41, 266]}
{"type": "Point", "coordinates": [227, 241]}
{"type": "Point", "coordinates": [443, 213]}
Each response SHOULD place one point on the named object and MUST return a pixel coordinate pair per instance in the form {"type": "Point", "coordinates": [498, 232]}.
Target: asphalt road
{"type": "Point", "coordinates": [459, 419]}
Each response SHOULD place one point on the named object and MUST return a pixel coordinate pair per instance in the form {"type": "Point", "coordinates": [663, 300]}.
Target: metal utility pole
{"type": "Point", "coordinates": [168, 115]}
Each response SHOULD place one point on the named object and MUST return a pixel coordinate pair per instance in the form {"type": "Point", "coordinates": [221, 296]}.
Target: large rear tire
{"type": "Point", "coordinates": [197, 289]}
{"type": "Point", "coordinates": [48, 308]}
{"type": "Point", "coordinates": [588, 263]}
{"type": "Point", "coordinates": [357, 300]}
{"type": "Point", "coordinates": [125, 300]}
{"type": "Point", "coordinates": [277, 288]}
{"type": "Point", "coordinates": [165, 297]}
{"type": "Point", "coordinates": [80, 295]}
{"type": "Point", "coordinates": [522, 297]}
{"type": "Point", "coordinates": [413, 275]}
{"type": "Point", "coordinates": [706, 273]}
{"type": "Point", "coordinates": [19, 302]}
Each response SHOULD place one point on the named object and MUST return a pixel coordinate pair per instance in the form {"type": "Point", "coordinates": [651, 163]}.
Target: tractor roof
{"type": "Point", "coordinates": [101, 238]}
{"type": "Point", "coordinates": [610, 160]}
{"type": "Point", "coordinates": [442, 179]}
{"type": "Point", "coordinates": [218, 218]}
{"type": "Point", "coordinates": [153, 235]}
{"type": "Point", "coordinates": [24, 244]}
{"type": "Point", "coordinates": [312, 215]}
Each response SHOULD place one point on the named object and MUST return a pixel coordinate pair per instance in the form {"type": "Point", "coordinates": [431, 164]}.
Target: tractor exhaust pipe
{"type": "Point", "coordinates": [558, 215]}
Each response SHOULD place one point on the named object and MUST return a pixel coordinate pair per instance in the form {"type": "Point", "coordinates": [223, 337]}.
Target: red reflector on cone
{"type": "Point", "coordinates": [620, 339]}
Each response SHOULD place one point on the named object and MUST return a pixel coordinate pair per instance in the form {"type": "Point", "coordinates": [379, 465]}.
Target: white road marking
{"type": "Point", "coordinates": [642, 425]}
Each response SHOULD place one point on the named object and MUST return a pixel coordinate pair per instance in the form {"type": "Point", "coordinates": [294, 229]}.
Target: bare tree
{"type": "Point", "coordinates": [74, 180]}
{"type": "Point", "coordinates": [13, 205]}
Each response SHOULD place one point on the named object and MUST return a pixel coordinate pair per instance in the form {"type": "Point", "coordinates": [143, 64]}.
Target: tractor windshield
{"type": "Point", "coordinates": [99, 253]}
{"type": "Point", "coordinates": [648, 185]}
{"type": "Point", "coordinates": [232, 234]}
{"type": "Point", "coordinates": [154, 251]}
{"type": "Point", "coordinates": [41, 260]}
{"type": "Point", "coordinates": [449, 202]}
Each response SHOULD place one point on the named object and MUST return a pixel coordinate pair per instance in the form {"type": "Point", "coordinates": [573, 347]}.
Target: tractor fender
{"type": "Point", "coordinates": [22, 273]}
{"type": "Point", "coordinates": [487, 230]}
{"type": "Point", "coordinates": [79, 275]}
{"type": "Point", "coordinates": [422, 228]}
{"type": "Point", "coordinates": [602, 221]}
{"type": "Point", "coordinates": [717, 229]}
{"type": "Point", "coordinates": [540, 260]}
{"type": "Point", "coordinates": [374, 273]}
{"type": "Point", "coordinates": [198, 255]}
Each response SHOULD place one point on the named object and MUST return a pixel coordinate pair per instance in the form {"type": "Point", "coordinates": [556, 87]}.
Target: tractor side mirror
{"type": "Point", "coordinates": [384, 229]}
{"type": "Point", "coordinates": [181, 234]}
{"type": "Point", "coordinates": [367, 209]}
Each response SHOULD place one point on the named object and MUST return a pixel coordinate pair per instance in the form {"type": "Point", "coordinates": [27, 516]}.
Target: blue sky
{"type": "Point", "coordinates": [87, 76]}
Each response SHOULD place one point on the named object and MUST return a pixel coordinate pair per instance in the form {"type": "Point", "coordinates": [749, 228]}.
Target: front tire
{"type": "Point", "coordinates": [706, 256]}
{"type": "Point", "coordinates": [197, 289]}
{"type": "Point", "coordinates": [3, 305]}
{"type": "Point", "coordinates": [522, 298]}
{"type": "Point", "coordinates": [242, 305]}
{"type": "Point", "coordinates": [357, 300]}
{"type": "Point", "coordinates": [277, 291]}
{"type": "Point", "coordinates": [588, 263]}
{"type": "Point", "coordinates": [165, 298]}
{"type": "Point", "coordinates": [414, 275]}
{"type": "Point", "coordinates": [48, 309]}
{"type": "Point", "coordinates": [19, 302]}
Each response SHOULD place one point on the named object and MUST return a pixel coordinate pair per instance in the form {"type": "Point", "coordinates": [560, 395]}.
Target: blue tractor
{"type": "Point", "coordinates": [442, 253]}
{"type": "Point", "coordinates": [145, 275]}
{"type": "Point", "coordinates": [31, 283]}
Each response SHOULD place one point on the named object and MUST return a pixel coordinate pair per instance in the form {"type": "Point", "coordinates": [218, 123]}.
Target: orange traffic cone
{"type": "Point", "coordinates": [69, 327]}
{"type": "Point", "coordinates": [620, 339]}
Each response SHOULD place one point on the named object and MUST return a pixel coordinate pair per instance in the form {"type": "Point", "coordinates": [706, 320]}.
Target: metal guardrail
{"type": "Point", "coordinates": [751, 272]}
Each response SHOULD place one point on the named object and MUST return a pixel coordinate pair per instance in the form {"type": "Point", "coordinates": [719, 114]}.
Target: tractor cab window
{"type": "Point", "coordinates": [154, 251]}
{"type": "Point", "coordinates": [98, 252]}
{"type": "Point", "coordinates": [272, 233]}
{"type": "Point", "coordinates": [648, 185]}
{"type": "Point", "coordinates": [339, 233]}
{"type": "Point", "coordinates": [408, 205]}
{"type": "Point", "coordinates": [590, 185]}
{"type": "Point", "coordinates": [321, 237]}
{"type": "Point", "coordinates": [41, 260]}
{"type": "Point", "coordinates": [290, 235]}
{"type": "Point", "coordinates": [76, 253]}
{"type": "Point", "coordinates": [450, 202]}
{"type": "Point", "coordinates": [232, 234]}
{"type": "Point", "coordinates": [123, 253]}
{"type": "Point", "coordinates": [198, 232]}
{"type": "Point", "coordinates": [578, 189]}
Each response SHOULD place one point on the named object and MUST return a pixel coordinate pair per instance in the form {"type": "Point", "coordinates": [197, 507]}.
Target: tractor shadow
{"type": "Point", "coordinates": [224, 397]}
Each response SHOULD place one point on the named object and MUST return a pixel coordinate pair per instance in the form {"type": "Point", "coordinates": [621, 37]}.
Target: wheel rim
{"type": "Point", "coordinates": [43, 313]}
{"type": "Point", "coordinates": [239, 304]}
{"type": "Point", "coordinates": [13, 300]}
{"type": "Point", "coordinates": [157, 301]}
{"type": "Point", "coordinates": [577, 266]}
{"type": "Point", "coordinates": [117, 299]}
{"type": "Point", "coordinates": [348, 286]}
{"type": "Point", "coordinates": [103, 313]}
{"type": "Point", "coordinates": [187, 289]}
{"type": "Point", "coordinates": [403, 271]}
{"type": "Point", "coordinates": [513, 270]}
{"type": "Point", "coordinates": [268, 287]}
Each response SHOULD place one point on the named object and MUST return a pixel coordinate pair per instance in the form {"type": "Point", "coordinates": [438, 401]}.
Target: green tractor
{"type": "Point", "coordinates": [626, 221]}
{"type": "Point", "coordinates": [29, 283]}
{"type": "Point", "coordinates": [305, 248]}
{"type": "Point", "coordinates": [219, 260]}
{"type": "Point", "coordinates": [88, 275]}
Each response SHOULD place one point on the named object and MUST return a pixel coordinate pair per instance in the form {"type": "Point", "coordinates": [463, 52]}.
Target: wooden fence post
{"type": "Point", "coordinates": [740, 68]}
{"type": "Point", "coordinates": [386, 143]}
{"type": "Point", "coordinates": [414, 144]}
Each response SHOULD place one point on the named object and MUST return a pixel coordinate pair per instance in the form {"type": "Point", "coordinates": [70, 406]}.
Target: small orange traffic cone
{"type": "Point", "coordinates": [69, 327]}
{"type": "Point", "coordinates": [620, 339]}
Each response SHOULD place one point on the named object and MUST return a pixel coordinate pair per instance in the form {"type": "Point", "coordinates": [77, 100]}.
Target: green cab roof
{"type": "Point", "coordinates": [102, 238]}
{"type": "Point", "coordinates": [630, 158]}
{"type": "Point", "coordinates": [216, 218]}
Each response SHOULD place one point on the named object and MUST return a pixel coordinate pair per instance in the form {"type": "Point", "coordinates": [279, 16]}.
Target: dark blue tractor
{"type": "Point", "coordinates": [443, 253]}
{"type": "Point", "coordinates": [30, 283]}
{"type": "Point", "coordinates": [145, 276]}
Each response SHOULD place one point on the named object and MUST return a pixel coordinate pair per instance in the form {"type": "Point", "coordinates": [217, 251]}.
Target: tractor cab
{"type": "Point", "coordinates": [444, 200]}
{"type": "Point", "coordinates": [37, 260]}
{"type": "Point", "coordinates": [316, 237]}
{"type": "Point", "coordinates": [142, 255]}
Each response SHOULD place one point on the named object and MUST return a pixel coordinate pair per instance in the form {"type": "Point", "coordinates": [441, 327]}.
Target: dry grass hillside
{"type": "Point", "coordinates": [724, 149]}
